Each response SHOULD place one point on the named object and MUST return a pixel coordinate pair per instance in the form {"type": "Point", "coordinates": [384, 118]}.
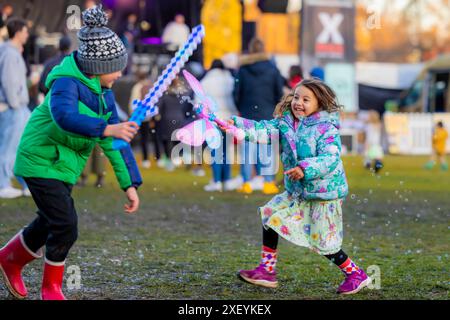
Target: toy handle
{"type": "Point", "coordinates": [119, 144]}
{"type": "Point", "coordinates": [138, 116]}
{"type": "Point", "coordinates": [202, 113]}
{"type": "Point", "coordinates": [238, 133]}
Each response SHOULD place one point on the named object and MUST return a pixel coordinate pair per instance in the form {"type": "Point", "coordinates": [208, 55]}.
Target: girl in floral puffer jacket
{"type": "Point", "coordinates": [309, 212]}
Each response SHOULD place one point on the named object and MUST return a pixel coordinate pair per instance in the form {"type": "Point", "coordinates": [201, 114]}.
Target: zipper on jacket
{"type": "Point", "coordinates": [102, 104]}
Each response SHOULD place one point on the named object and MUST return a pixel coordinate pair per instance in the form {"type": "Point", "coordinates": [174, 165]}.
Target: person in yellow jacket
{"type": "Point", "coordinates": [440, 136]}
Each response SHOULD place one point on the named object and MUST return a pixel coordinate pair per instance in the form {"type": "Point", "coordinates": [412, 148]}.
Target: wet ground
{"type": "Point", "coordinates": [188, 244]}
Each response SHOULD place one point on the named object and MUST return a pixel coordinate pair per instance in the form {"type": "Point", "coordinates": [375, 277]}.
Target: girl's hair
{"type": "Point", "coordinates": [326, 98]}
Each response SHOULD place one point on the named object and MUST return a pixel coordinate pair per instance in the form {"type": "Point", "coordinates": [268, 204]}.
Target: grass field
{"type": "Point", "coordinates": [188, 244]}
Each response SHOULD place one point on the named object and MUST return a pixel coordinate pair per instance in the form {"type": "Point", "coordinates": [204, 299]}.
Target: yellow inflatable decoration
{"type": "Point", "coordinates": [223, 26]}
{"type": "Point", "coordinates": [280, 32]}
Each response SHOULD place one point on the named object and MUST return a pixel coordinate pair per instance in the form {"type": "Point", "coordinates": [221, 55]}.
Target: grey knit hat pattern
{"type": "Point", "coordinates": [100, 51]}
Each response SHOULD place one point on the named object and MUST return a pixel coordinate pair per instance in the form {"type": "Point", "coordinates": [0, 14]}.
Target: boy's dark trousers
{"type": "Point", "coordinates": [56, 224]}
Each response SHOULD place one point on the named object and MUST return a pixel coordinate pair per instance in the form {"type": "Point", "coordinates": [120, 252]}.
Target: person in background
{"type": "Point", "coordinates": [64, 50]}
{"type": "Point", "coordinates": [5, 13]}
{"type": "Point", "coordinates": [129, 34]}
{"type": "Point", "coordinates": [218, 83]}
{"type": "Point", "coordinates": [139, 90]}
{"type": "Point", "coordinates": [439, 140]}
{"type": "Point", "coordinates": [317, 72]}
{"type": "Point", "coordinates": [295, 75]}
{"type": "Point", "coordinates": [373, 150]}
{"type": "Point", "coordinates": [14, 99]}
{"type": "Point", "coordinates": [172, 116]}
{"type": "Point", "coordinates": [258, 88]}
{"type": "Point", "coordinates": [176, 32]}
{"type": "Point", "coordinates": [95, 164]}
{"type": "Point", "coordinates": [110, 13]}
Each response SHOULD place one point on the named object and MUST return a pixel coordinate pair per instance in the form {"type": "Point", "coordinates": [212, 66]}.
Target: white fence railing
{"type": "Point", "coordinates": [411, 133]}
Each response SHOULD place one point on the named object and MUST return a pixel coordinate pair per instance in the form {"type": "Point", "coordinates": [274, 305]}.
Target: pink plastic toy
{"type": "Point", "coordinates": [197, 132]}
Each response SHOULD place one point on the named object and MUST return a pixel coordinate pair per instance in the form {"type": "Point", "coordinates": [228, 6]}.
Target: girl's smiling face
{"type": "Point", "coordinates": [304, 103]}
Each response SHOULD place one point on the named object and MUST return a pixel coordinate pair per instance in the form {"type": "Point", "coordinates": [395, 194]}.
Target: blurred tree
{"type": "Point", "coordinates": [413, 32]}
{"type": "Point", "coordinates": [387, 42]}
{"type": "Point", "coordinates": [429, 26]}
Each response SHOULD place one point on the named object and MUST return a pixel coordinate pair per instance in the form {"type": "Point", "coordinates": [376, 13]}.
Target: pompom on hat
{"type": "Point", "coordinates": [100, 50]}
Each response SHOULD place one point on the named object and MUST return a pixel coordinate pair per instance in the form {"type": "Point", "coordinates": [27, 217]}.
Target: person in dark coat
{"type": "Point", "coordinates": [258, 88]}
{"type": "Point", "coordinates": [64, 50]}
{"type": "Point", "coordinates": [173, 114]}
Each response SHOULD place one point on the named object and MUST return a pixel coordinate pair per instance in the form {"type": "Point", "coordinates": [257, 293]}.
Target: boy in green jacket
{"type": "Point", "coordinates": [78, 112]}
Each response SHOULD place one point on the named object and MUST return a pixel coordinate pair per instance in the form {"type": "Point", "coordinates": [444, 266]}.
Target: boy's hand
{"type": "Point", "coordinates": [125, 130]}
{"type": "Point", "coordinates": [295, 173]}
{"type": "Point", "coordinates": [133, 199]}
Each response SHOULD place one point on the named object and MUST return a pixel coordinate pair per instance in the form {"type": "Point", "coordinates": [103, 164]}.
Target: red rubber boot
{"type": "Point", "coordinates": [13, 257]}
{"type": "Point", "coordinates": [52, 281]}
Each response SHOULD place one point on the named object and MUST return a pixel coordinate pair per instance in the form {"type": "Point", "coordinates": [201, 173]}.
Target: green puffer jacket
{"type": "Point", "coordinates": [64, 129]}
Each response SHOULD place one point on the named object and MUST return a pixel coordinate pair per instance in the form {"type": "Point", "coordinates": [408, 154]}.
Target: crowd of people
{"type": "Point", "coordinates": [249, 86]}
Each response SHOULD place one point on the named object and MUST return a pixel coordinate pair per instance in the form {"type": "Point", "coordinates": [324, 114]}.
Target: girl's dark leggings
{"type": "Point", "coordinates": [270, 239]}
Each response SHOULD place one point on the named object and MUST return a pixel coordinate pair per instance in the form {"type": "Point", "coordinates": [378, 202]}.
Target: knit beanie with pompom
{"type": "Point", "coordinates": [100, 50]}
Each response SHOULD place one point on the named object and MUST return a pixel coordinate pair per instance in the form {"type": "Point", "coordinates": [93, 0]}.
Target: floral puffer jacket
{"type": "Point", "coordinates": [315, 147]}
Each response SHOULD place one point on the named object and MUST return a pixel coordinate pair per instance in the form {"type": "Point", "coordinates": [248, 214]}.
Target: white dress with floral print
{"type": "Point", "coordinates": [316, 225]}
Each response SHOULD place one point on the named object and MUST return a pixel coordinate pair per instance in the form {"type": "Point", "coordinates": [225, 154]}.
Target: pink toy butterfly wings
{"type": "Point", "coordinates": [199, 92]}
{"type": "Point", "coordinates": [194, 83]}
{"type": "Point", "coordinates": [195, 133]}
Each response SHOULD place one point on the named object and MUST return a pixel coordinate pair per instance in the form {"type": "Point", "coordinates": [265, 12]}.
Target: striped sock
{"type": "Point", "coordinates": [349, 267]}
{"type": "Point", "coordinates": [268, 259]}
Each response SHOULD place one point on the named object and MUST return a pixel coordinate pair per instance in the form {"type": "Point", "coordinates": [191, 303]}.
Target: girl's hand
{"type": "Point", "coordinates": [229, 121]}
{"type": "Point", "coordinates": [295, 173]}
{"type": "Point", "coordinates": [133, 200]}
{"type": "Point", "coordinates": [125, 130]}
